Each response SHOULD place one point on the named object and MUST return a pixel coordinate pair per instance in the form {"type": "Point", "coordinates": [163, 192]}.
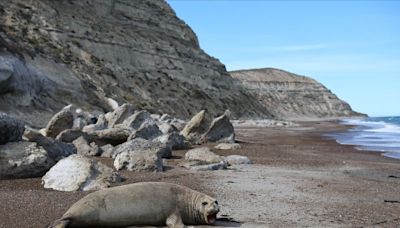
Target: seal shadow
{"type": "Point", "coordinates": [227, 222]}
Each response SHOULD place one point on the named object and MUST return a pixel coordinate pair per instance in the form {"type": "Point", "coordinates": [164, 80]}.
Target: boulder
{"type": "Point", "coordinates": [196, 127]}
{"type": "Point", "coordinates": [11, 129]}
{"type": "Point", "coordinates": [84, 147]}
{"type": "Point", "coordinates": [204, 155]}
{"type": "Point", "coordinates": [55, 149]}
{"type": "Point", "coordinates": [139, 144]}
{"type": "Point", "coordinates": [167, 128]}
{"type": "Point", "coordinates": [119, 115]}
{"type": "Point", "coordinates": [113, 136]}
{"type": "Point", "coordinates": [23, 160]}
{"type": "Point", "coordinates": [220, 130]}
{"type": "Point", "coordinates": [79, 123]}
{"type": "Point", "coordinates": [136, 120]}
{"type": "Point", "coordinates": [60, 121]}
{"type": "Point", "coordinates": [228, 146]}
{"type": "Point", "coordinates": [165, 118]}
{"type": "Point", "coordinates": [147, 131]}
{"type": "Point", "coordinates": [237, 160]}
{"type": "Point", "coordinates": [101, 124]}
{"type": "Point", "coordinates": [177, 123]}
{"type": "Point", "coordinates": [155, 116]}
{"type": "Point", "coordinates": [107, 150]}
{"type": "Point", "coordinates": [70, 135]}
{"type": "Point", "coordinates": [207, 167]}
{"type": "Point", "coordinates": [173, 140]}
{"type": "Point", "coordinates": [140, 160]}
{"type": "Point", "coordinates": [78, 173]}
{"type": "Point", "coordinates": [112, 103]}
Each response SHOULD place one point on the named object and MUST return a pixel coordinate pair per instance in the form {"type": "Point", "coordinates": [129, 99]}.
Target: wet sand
{"type": "Point", "coordinates": [299, 179]}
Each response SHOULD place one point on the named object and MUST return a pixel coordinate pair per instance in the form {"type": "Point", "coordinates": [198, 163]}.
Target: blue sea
{"type": "Point", "coordinates": [380, 134]}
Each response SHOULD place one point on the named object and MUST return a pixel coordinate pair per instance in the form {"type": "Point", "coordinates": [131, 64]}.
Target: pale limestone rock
{"type": "Point", "coordinates": [196, 127]}
{"type": "Point", "coordinates": [237, 160]}
{"type": "Point", "coordinates": [119, 115]}
{"type": "Point", "coordinates": [79, 173]}
{"type": "Point", "coordinates": [139, 144]}
{"type": "Point", "coordinates": [61, 121]}
{"type": "Point", "coordinates": [228, 146]}
{"type": "Point", "coordinates": [113, 136]}
{"type": "Point", "coordinates": [203, 154]}
{"type": "Point", "coordinates": [140, 160]}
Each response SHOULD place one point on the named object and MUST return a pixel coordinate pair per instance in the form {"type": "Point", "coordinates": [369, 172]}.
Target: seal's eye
{"type": "Point", "coordinates": [216, 202]}
{"type": "Point", "coordinates": [204, 203]}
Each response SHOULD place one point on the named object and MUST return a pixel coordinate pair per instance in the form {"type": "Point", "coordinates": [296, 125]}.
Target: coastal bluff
{"type": "Point", "coordinates": [55, 53]}
{"type": "Point", "coordinates": [96, 54]}
{"type": "Point", "coordinates": [293, 97]}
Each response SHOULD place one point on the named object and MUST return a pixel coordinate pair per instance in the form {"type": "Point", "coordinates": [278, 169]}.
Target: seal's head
{"type": "Point", "coordinates": [209, 209]}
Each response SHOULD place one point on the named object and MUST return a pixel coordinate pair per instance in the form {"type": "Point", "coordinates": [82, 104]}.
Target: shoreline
{"type": "Point", "coordinates": [299, 178]}
{"type": "Point", "coordinates": [302, 178]}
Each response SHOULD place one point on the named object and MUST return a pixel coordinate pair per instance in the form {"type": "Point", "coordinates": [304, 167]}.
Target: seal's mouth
{"type": "Point", "coordinates": [211, 218]}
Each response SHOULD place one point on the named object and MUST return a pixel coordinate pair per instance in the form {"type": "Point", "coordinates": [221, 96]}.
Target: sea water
{"type": "Point", "coordinates": [380, 134]}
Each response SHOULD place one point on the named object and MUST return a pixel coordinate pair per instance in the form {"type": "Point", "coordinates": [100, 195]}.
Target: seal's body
{"type": "Point", "coordinates": [141, 204]}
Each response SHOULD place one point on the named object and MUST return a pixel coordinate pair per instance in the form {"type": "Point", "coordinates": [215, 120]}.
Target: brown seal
{"type": "Point", "coordinates": [141, 204]}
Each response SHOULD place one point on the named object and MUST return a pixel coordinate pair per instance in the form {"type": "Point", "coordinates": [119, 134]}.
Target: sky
{"type": "Point", "coordinates": [352, 47]}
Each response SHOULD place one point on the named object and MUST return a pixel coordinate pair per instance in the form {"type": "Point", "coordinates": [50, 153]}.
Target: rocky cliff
{"type": "Point", "coordinates": [54, 53]}
{"type": "Point", "coordinates": [290, 96]}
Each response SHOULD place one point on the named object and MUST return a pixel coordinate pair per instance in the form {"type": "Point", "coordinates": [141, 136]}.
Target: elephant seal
{"type": "Point", "coordinates": [141, 204]}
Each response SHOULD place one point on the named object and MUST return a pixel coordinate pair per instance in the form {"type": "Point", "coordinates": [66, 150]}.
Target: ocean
{"type": "Point", "coordinates": [380, 134]}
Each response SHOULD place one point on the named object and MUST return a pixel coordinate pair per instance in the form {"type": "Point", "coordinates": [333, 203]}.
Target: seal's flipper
{"type": "Point", "coordinates": [175, 221]}
{"type": "Point", "coordinates": [60, 223]}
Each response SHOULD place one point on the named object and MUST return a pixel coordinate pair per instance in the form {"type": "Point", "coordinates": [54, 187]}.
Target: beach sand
{"type": "Point", "coordinates": [299, 178]}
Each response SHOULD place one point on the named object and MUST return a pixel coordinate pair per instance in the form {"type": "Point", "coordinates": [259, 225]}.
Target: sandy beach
{"type": "Point", "coordinates": [299, 178]}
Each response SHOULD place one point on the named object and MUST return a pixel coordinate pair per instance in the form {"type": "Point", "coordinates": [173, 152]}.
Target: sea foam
{"type": "Point", "coordinates": [381, 134]}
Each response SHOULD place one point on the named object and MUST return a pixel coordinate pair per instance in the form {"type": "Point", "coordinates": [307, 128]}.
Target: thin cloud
{"type": "Point", "coordinates": [341, 63]}
{"type": "Point", "coordinates": [302, 47]}
{"type": "Point", "coordinates": [259, 49]}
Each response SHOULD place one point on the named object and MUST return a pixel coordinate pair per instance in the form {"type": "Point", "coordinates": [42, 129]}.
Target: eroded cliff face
{"type": "Point", "coordinates": [290, 96]}
{"type": "Point", "coordinates": [54, 53]}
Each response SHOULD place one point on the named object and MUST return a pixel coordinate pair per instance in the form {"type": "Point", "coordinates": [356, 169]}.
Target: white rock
{"type": "Point", "coordinates": [228, 146]}
{"type": "Point", "coordinates": [101, 124]}
{"type": "Point", "coordinates": [139, 144]}
{"type": "Point", "coordinates": [78, 173]}
{"type": "Point", "coordinates": [119, 115]}
{"type": "Point", "coordinates": [141, 160]}
{"type": "Point", "coordinates": [203, 154]}
{"type": "Point", "coordinates": [237, 160]}
{"type": "Point", "coordinates": [61, 121]}
{"type": "Point", "coordinates": [112, 103]}
{"type": "Point", "coordinates": [196, 127]}
{"type": "Point", "coordinates": [209, 167]}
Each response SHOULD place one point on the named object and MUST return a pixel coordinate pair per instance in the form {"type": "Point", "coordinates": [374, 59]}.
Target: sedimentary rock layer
{"type": "Point", "coordinates": [83, 52]}
{"type": "Point", "coordinates": [290, 96]}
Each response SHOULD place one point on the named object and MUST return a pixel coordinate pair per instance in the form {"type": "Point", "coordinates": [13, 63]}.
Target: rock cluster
{"type": "Point", "coordinates": [136, 139]}
{"type": "Point", "coordinates": [20, 159]}
{"type": "Point", "coordinates": [203, 159]}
